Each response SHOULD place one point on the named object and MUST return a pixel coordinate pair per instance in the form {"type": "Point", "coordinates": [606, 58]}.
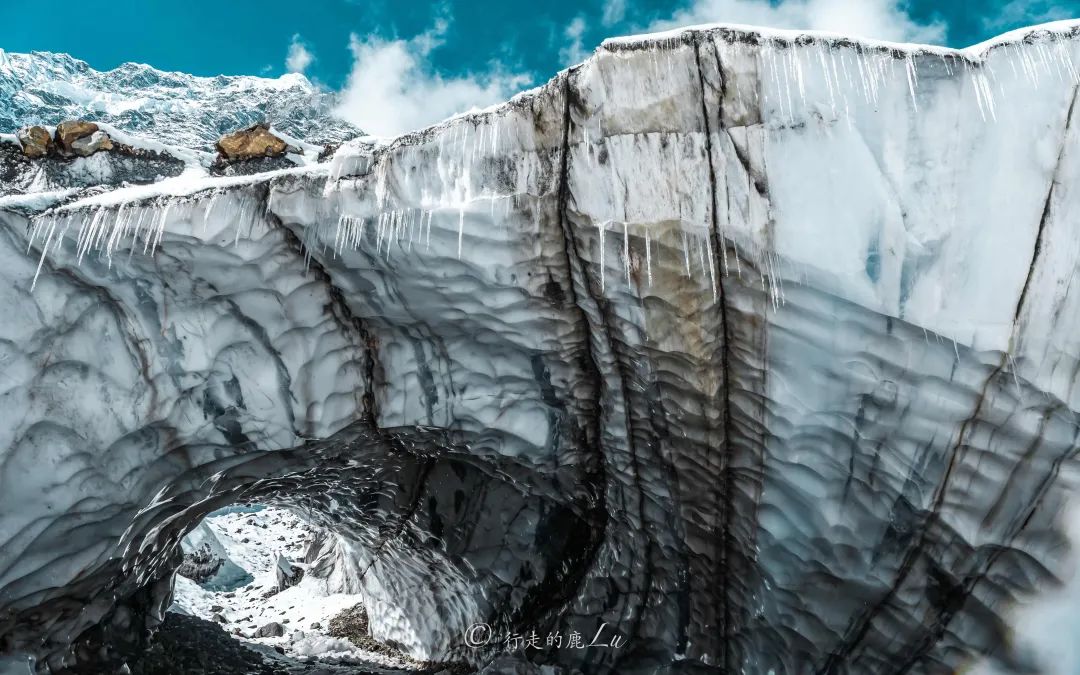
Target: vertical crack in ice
{"type": "Point", "coordinates": [725, 486]}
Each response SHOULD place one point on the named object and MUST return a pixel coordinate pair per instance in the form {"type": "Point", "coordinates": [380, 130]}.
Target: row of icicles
{"type": "Point", "coordinates": [786, 68]}
{"type": "Point", "coordinates": [110, 229]}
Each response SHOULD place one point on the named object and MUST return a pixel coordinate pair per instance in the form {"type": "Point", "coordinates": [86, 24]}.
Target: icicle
{"type": "Point", "coordinates": [602, 227]}
{"type": "Point", "coordinates": [460, 229]}
{"type": "Point", "coordinates": [912, 80]}
{"type": "Point", "coordinates": [44, 252]}
{"type": "Point", "coordinates": [648, 256]}
{"type": "Point", "coordinates": [626, 253]}
{"type": "Point", "coordinates": [686, 253]}
{"type": "Point", "coordinates": [712, 266]}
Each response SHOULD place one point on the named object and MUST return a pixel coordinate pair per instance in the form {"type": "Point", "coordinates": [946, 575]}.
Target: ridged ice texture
{"type": "Point", "coordinates": [173, 108]}
{"type": "Point", "coordinates": [758, 348]}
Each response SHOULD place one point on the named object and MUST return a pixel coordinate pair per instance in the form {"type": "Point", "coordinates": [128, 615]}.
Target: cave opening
{"type": "Point", "coordinates": [374, 549]}
{"type": "Point", "coordinates": [269, 577]}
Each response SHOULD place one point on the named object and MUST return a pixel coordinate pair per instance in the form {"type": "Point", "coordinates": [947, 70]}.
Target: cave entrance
{"type": "Point", "coordinates": [251, 570]}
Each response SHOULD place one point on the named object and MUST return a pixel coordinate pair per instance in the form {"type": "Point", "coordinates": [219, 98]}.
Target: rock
{"type": "Point", "coordinates": [217, 618]}
{"type": "Point", "coordinates": [279, 649]}
{"type": "Point", "coordinates": [35, 141]}
{"type": "Point", "coordinates": [255, 141]}
{"type": "Point", "coordinates": [351, 624]}
{"type": "Point", "coordinates": [88, 145]}
{"type": "Point", "coordinates": [200, 565]}
{"type": "Point", "coordinates": [328, 151]}
{"type": "Point", "coordinates": [216, 608]}
{"type": "Point", "coordinates": [315, 625]}
{"type": "Point", "coordinates": [69, 132]}
{"type": "Point", "coordinates": [272, 629]}
{"type": "Point", "coordinates": [287, 574]}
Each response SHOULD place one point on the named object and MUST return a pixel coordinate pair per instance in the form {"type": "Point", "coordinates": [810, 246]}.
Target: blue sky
{"type": "Point", "coordinates": [423, 59]}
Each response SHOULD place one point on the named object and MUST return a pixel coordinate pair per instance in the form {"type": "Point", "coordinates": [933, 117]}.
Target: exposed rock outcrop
{"type": "Point", "coordinates": [272, 629]}
{"type": "Point", "coordinates": [253, 142]}
{"type": "Point", "coordinates": [36, 141]}
{"type": "Point", "coordinates": [73, 130]}
{"type": "Point", "coordinates": [88, 145]}
{"type": "Point", "coordinates": [200, 565]}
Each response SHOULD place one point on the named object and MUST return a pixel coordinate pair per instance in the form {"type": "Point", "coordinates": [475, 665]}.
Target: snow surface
{"type": "Point", "coordinates": [174, 108]}
{"type": "Point", "coordinates": [255, 541]}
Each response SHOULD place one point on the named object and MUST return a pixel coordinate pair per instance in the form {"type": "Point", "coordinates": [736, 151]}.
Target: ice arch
{"type": "Point", "coordinates": [774, 352]}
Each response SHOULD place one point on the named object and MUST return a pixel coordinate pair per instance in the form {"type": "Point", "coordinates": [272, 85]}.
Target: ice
{"type": "Point", "coordinates": [678, 303]}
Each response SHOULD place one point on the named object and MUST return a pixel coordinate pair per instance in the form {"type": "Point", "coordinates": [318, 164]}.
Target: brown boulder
{"type": "Point", "coordinates": [35, 141]}
{"type": "Point", "coordinates": [69, 132]}
{"type": "Point", "coordinates": [88, 145]}
{"type": "Point", "coordinates": [255, 141]}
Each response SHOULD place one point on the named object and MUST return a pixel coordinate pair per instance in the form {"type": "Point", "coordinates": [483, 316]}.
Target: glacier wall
{"type": "Point", "coordinates": [756, 347]}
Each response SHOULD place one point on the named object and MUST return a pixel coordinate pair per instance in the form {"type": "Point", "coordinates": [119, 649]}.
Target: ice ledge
{"type": "Point", "coordinates": [756, 34]}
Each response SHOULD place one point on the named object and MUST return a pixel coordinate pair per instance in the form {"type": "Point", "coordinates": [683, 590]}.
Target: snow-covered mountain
{"type": "Point", "coordinates": [172, 108]}
{"type": "Point", "coordinates": [737, 350]}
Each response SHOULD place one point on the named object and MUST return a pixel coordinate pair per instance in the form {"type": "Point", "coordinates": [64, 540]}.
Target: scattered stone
{"type": "Point", "coordinates": [272, 629]}
{"type": "Point", "coordinates": [88, 145]}
{"type": "Point", "coordinates": [255, 141]}
{"type": "Point", "coordinates": [185, 645]}
{"type": "Point", "coordinates": [315, 625]}
{"type": "Point", "coordinates": [279, 649]}
{"type": "Point", "coordinates": [217, 618]}
{"type": "Point", "coordinates": [35, 141]}
{"type": "Point", "coordinates": [349, 623]}
{"type": "Point", "coordinates": [200, 565]}
{"type": "Point", "coordinates": [69, 132]}
{"type": "Point", "coordinates": [216, 608]}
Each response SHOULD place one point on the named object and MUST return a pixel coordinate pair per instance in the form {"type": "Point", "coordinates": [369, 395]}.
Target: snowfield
{"type": "Point", "coordinates": [254, 540]}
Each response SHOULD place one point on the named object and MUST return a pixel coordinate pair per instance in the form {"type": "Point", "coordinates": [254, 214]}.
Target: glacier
{"type": "Point", "coordinates": [755, 348]}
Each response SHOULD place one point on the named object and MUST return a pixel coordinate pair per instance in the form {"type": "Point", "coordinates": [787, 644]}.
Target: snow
{"type": "Point", "coordinates": [190, 182]}
{"type": "Point", "coordinates": [172, 108]}
{"type": "Point", "coordinates": [258, 541]}
{"type": "Point", "coordinates": [976, 51]}
{"type": "Point", "coordinates": [906, 203]}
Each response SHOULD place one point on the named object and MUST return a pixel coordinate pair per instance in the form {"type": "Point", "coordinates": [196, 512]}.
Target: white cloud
{"type": "Point", "coordinates": [299, 57]}
{"type": "Point", "coordinates": [880, 19]}
{"type": "Point", "coordinates": [1025, 12]}
{"type": "Point", "coordinates": [574, 51]}
{"type": "Point", "coordinates": [392, 87]}
{"type": "Point", "coordinates": [614, 11]}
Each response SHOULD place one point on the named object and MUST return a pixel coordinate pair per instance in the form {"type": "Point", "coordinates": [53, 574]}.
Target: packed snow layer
{"type": "Point", "coordinates": [757, 348]}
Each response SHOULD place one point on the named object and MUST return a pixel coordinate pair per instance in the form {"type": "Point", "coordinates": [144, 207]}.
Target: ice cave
{"type": "Point", "coordinates": [724, 351]}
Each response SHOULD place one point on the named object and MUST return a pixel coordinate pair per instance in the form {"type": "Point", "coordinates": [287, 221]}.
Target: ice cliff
{"type": "Point", "coordinates": [758, 348]}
